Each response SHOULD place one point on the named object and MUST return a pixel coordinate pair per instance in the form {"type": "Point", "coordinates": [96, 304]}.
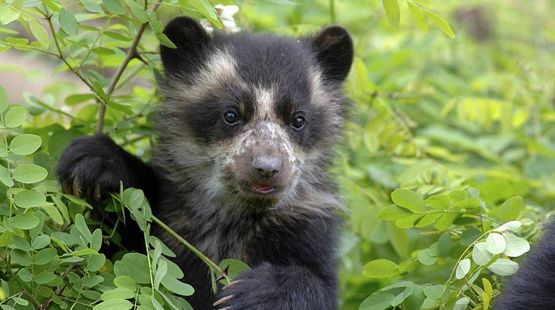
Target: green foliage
{"type": "Point", "coordinates": [447, 165]}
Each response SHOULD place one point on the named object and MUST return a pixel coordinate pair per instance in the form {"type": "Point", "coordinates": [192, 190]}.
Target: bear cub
{"type": "Point", "coordinates": [245, 133]}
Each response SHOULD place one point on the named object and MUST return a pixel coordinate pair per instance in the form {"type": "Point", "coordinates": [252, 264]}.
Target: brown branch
{"type": "Point", "coordinates": [131, 54]}
{"type": "Point", "coordinates": [61, 56]}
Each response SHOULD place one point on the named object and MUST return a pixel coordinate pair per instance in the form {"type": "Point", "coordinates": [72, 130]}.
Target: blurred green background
{"type": "Point", "coordinates": [464, 125]}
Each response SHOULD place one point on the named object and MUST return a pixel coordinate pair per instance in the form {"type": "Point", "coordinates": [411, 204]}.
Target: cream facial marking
{"type": "Point", "coordinates": [317, 92]}
{"type": "Point", "coordinates": [265, 99]}
{"type": "Point", "coordinates": [220, 68]}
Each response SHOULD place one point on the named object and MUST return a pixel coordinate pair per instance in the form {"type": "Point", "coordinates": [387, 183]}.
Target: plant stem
{"type": "Point", "coordinates": [193, 249]}
{"type": "Point", "coordinates": [61, 56]}
{"type": "Point", "coordinates": [131, 53]}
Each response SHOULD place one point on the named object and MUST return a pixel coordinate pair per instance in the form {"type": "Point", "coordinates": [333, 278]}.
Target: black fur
{"type": "Point", "coordinates": [289, 243]}
{"type": "Point", "coordinates": [533, 286]}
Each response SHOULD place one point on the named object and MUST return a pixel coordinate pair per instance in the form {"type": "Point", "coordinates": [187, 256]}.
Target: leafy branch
{"type": "Point", "coordinates": [131, 54]}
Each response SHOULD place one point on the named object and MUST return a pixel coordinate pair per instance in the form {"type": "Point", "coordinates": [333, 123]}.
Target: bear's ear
{"type": "Point", "coordinates": [334, 51]}
{"type": "Point", "coordinates": [191, 40]}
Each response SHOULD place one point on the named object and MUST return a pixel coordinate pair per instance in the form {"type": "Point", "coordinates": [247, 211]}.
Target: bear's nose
{"type": "Point", "coordinates": [266, 166]}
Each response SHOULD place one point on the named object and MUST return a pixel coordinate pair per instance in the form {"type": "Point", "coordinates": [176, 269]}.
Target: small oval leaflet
{"type": "Point", "coordinates": [495, 243]}
{"type": "Point", "coordinates": [380, 268]}
{"type": "Point", "coordinates": [25, 144]}
{"type": "Point", "coordinates": [463, 267]}
{"type": "Point", "coordinates": [25, 221]}
{"type": "Point", "coordinates": [503, 267]}
{"type": "Point", "coordinates": [29, 199]}
{"type": "Point", "coordinates": [15, 117]}
{"type": "Point", "coordinates": [480, 254]}
{"type": "Point", "coordinates": [29, 173]}
{"type": "Point", "coordinates": [515, 246]}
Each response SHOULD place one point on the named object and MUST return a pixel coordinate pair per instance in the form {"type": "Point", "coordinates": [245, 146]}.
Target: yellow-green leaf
{"type": "Point", "coordinates": [440, 23]}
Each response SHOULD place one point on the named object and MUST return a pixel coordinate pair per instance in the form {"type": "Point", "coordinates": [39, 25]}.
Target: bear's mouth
{"type": "Point", "coordinates": [264, 189]}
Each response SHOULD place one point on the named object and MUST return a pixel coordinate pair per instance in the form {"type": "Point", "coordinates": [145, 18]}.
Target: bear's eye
{"type": "Point", "coordinates": [231, 117]}
{"type": "Point", "coordinates": [298, 122]}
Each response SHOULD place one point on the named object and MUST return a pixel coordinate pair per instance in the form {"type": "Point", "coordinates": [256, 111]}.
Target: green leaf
{"type": "Point", "coordinates": [118, 293]}
{"type": "Point", "coordinates": [463, 267]}
{"type": "Point", "coordinates": [503, 267]}
{"type": "Point", "coordinates": [5, 177]}
{"type": "Point", "coordinates": [92, 6]}
{"type": "Point", "coordinates": [45, 256]}
{"type": "Point", "coordinates": [480, 254]}
{"type": "Point", "coordinates": [427, 257]}
{"type": "Point", "coordinates": [137, 10]}
{"type": "Point", "coordinates": [114, 7]}
{"type": "Point", "coordinates": [391, 8]}
{"type": "Point", "coordinates": [428, 219]}
{"type": "Point", "coordinates": [99, 51]}
{"type": "Point", "coordinates": [3, 100]}
{"type": "Point", "coordinates": [68, 22]}
{"type": "Point", "coordinates": [234, 267]}
{"type": "Point", "coordinates": [96, 240]}
{"type": "Point", "coordinates": [380, 268]}
{"type": "Point", "coordinates": [62, 207]}
{"type": "Point", "coordinates": [377, 301]}
{"type": "Point", "coordinates": [29, 173]}
{"type": "Point", "coordinates": [488, 293]}
{"type": "Point", "coordinates": [392, 213]}
{"type": "Point", "coordinates": [418, 16]}
{"type": "Point", "coordinates": [3, 146]}
{"type": "Point", "coordinates": [39, 32]}
{"type": "Point", "coordinates": [40, 242]}
{"type": "Point", "coordinates": [95, 262]}
{"type": "Point", "coordinates": [116, 303]}
{"type": "Point", "coordinates": [125, 282]}
{"type": "Point", "coordinates": [468, 236]}
{"type": "Point", "coordinates": [515, 246]}
{"type": "Point", "coordinates": [24, 221]}
{"type": "Point", "coordinates": [511, 208]}
{"type": "Point", "coordinates": [408, 199]}
{"type": "Point", "coordinates": [25, 144]}
{"type": "Point", "coordinates": [177, 286]}
{"type": "Point", "coordinates": [15, 116]}
{"type": "Point", "coordinates": [495, 243]}
{"type": "Point", "coordinates": [440, 23]}
{"type": "Point", "coordinates": [165, 41]}
{"type": "Point", "coordinates": [44, 277]}
{"type": "Point", "coordinates": [53, 213]}
{"type": "Point", "coordinates": [512, 225]}
{"type": "Point", "coordinates": [401, 297]}
{"type": "Point", "coordinates": [8, 14]}
{"type": "Point", "coordinates": [133, 265]}
{"type": "Point", "coordinates": [434, 291]}
{"type": "Point", "coordinates": [462, 303]}
{"type": "Point", "coordinates": [82, 227]}
{"type": "Point", "coordinates": [29, 199]}
{"type": "Point", "coordinates": [25, 275]}
{"type": "Point", "coordinates": [135, 201]}
{"type": "Point", "coordinates": [160, 273]}
{"type": "Point", "coordinates": [207, 10]}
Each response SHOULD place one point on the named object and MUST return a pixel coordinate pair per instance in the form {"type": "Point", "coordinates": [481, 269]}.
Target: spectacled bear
{"type": "Point", "coordinates": [245, 133]}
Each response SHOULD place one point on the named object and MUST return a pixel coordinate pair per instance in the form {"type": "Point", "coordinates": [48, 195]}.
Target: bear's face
{"type": "Point", "coordinates": [252, 115]}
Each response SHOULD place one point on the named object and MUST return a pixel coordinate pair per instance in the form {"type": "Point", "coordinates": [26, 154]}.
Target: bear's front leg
{"type": "Point", "coordinates": [273, 287]}
{"type": "Point", "coordinates": [93, 167]}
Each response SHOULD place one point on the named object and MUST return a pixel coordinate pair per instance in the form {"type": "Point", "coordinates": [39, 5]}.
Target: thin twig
{"type": "Point", "coordinates": [61, 56]}
{"type": "Point", "coordinates": [131, 53]}
{"type": "Point", "coordinates": [207, 261]}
